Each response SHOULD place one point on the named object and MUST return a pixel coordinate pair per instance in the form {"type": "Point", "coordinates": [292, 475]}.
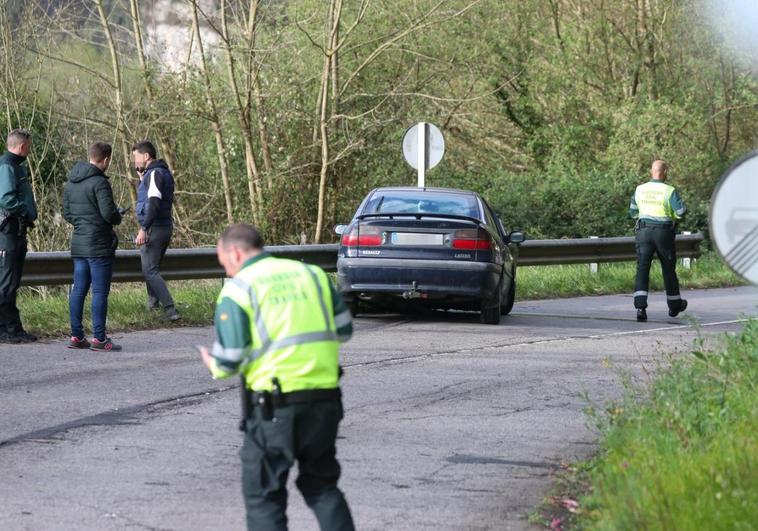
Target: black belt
{"type": "Point", "coordinates": [643, 224]}
{"type": "Point", "coordinates": [299, 397]}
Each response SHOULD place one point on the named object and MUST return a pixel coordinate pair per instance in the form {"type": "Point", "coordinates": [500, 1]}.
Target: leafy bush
{"type": "Point", "coordinates": [686, 458]}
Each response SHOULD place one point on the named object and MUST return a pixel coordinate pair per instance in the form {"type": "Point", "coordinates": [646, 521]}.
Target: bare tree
{"type": "Point", "coordinates": [213, 114]}
{"type": "Point", "coordinates": [119, 133]}
{"type": "Point", "coordinates": [166, 149]}
{"type": "Point", "coordinates": [254, 88]}
{"type": "Point", "coordinates": [165, 146]}
{"type": "Point", "coordinates": [253, 175]}
{"type": "Point", "coordinates": [330, 75]}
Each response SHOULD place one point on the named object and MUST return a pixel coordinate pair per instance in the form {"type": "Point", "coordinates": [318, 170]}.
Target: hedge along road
{"type": "Point", "coordinates": [449, 424]}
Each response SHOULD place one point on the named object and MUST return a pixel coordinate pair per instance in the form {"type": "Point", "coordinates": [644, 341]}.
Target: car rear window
{"type": "Point", "coordinates": [390, 202]}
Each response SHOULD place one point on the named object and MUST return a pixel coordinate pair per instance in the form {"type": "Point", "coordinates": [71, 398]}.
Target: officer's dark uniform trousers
{"type": "Point", "coordinates": [12, 254]}
{"type": "Point", "coordinates": [652, 239]}
{"type": "Point", "coordinates": [303, 432]}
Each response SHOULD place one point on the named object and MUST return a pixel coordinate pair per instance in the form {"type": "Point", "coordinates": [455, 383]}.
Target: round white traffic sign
{"type": "Point", "coordinates": [734, 217]}
{"type": "Point", "coordinates": [423, 141]}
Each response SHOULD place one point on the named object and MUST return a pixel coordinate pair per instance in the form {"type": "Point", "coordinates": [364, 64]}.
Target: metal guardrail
{"type": "Point", "coordinates": [178, 264]}
{"type": "Point", "coordinates": [591, 250]}
{"type": "Point", "coordinates": [185, 264]}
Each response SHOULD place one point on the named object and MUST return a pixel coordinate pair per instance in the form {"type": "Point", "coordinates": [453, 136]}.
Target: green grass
{"type": "Point", "coordinates": [685, 456]}
{"type": "Point", "coordinates": [542, 282]}
{"type": "Point", "coordinates": [45, 310]}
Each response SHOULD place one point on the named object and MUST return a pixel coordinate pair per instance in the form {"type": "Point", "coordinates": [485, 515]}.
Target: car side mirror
{"type": "Point", "coordinates": [516, 236]}
{"type": "Point", "coordinates": [340, 229]}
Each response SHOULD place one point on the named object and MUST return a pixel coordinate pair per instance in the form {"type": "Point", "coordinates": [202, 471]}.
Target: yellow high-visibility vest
{"type": "Point", "coordinates": [290, 309]}
{"type": "Point", "coordinates": [653, 200]}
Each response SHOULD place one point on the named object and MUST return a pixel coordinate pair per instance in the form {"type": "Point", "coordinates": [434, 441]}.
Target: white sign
{"type": "Point", "coordinates": [423, 148]}
{"type": "Point", "coordinates": [734, 217]}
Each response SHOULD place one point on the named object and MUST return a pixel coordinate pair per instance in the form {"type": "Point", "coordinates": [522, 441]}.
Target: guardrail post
{"type": "Point", "coordinates": [594, 266]}
{"type": "Point", "coordinates": [687, 262]}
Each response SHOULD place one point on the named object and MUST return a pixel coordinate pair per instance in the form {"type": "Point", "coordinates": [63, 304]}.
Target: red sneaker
{"type": "Point", "coordinates": [75, 342]}
{"type": "Point", "coordinates": [104, 345]}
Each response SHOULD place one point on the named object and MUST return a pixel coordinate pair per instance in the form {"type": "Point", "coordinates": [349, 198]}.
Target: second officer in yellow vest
{"type": "Point", "coordinates": [657, 207]}
{"type": "Point", "coordinates": [279, 324]}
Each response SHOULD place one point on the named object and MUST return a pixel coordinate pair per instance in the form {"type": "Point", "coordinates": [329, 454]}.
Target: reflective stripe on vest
{"type": "Point", "coordinates": [294, 336]}
{"type": "Point", "coordinates": [653, 200]}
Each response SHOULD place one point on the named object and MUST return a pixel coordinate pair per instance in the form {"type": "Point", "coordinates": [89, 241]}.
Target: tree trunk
{"type": "Point", "coordinates": [214, 117]}
{"type": "Point", "coordinates": [119, 94]}
{"type": "Point", "coordinates": [251, 167]}
{"type": "Point", "coordinates": [166, 149]}
{"type": "Point", "coordinates": [254, 92]}
{"type": "Point", "coordinates": [333, 17]}
{"type": "Point", "coordinates": [335, 110]}
{"type": "Point", "coordinates": [165, 146]}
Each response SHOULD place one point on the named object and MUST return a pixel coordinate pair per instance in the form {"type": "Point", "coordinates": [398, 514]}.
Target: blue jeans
{"type": "Point", "coordinates": [95, 272]}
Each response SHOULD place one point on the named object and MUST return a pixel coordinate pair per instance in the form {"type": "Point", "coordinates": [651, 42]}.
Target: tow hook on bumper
{"type": "Point", "coordinates": [413, 293]}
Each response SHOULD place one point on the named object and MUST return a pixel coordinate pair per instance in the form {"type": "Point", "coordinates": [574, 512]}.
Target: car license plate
{"type": "Point", "coordinates": [416, 238]}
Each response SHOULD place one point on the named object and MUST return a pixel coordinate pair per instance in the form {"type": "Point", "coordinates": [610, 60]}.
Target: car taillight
{"type": "Point", "coordinates": [471, 240]}
{"type": "Point", "coordinates": [362, 237]}
{"type": "Point", "coordinates": [350, 239]}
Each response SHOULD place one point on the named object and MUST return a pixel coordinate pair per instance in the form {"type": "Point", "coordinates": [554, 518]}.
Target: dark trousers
{"type": "Point", "coordinates": [305, 433]}
{"type": "Point", "coordinates": [151, 254]}
{"type": "Point", "coordinates": [12, 255]}
{"type": "Point", "coordinates": [652, 240]}
{"type": "Point", "coordinates": [95, 272]}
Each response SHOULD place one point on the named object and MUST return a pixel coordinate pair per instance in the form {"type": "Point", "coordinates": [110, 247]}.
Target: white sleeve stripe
{"type": "Point", "coordinates": [153, 191]}
{"type": "Point", "coordinates": [343, 319]}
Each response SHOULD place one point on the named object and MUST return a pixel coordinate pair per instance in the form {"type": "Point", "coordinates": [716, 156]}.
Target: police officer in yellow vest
{"type": "Point", "coordinates": [657, 207]}
{"type": "Point", "coordinates": [279, 324]}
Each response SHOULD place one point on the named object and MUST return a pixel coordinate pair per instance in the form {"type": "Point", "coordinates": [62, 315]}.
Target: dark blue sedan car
{"type": "Point", "coordinates": [436, 247]}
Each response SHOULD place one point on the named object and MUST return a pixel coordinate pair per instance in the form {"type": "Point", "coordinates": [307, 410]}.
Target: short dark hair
{"type": "Point", "coordinates": [99, 151]}
{"type": "Point", "coordinates": [18, 136]}
{"type": "Point", "coordinates": [242, 235]}
{"type": "Point", "coordinates": [145, 146]}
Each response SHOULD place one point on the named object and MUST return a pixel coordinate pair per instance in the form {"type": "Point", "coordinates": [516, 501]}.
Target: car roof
{"type": "Point", "coordinates": [425, 189]}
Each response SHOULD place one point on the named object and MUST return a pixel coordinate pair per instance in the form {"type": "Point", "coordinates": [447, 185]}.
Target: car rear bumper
{"type": "Point", "coordinates": [418, 279]}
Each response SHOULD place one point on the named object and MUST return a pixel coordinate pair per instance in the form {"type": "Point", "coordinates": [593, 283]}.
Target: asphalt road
{"type": "Point", "coordinates": [449, 424]}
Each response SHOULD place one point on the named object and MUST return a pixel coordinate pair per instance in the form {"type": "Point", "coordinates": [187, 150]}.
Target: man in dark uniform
{"type": "Point", "coordinates": [18, 211]}
{"type": "Point", "coordinates": [155, 199]}
{"type": "Point", "coordinates": [657, 207]}
{"type": "Point", "coordinates": [279, 324]}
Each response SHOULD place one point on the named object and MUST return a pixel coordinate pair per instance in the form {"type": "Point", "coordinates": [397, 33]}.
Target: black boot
{"type": "Point", "coordinates": [23, 336]}
{"type": "Point", "coordinates": [682, 307]}
{"type": "Point", "coordinates": [641, 314]}
{"type": "Point", "coordinates": [5, 337]}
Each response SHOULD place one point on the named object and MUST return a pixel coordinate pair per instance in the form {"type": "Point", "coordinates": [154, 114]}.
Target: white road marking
{"type": "Point", "coordinates": [665, 328]}
{"type": "Point", "coordinates": [406, 359]}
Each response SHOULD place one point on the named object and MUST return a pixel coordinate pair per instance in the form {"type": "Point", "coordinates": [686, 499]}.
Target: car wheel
{"type": "Point", "coordinates": [506, 308]}
{"type": "Point", "coordinates": [490, 315]}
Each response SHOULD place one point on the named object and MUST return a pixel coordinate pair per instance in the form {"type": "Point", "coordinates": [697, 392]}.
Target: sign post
{"type": "Point", "coordinates": [421, 161]}
{"type": "Point", "coordinates": [423, 148]}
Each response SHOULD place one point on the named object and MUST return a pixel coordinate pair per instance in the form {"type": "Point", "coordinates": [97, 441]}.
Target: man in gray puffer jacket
{"type": "Point", "coordinates": [88, 205]}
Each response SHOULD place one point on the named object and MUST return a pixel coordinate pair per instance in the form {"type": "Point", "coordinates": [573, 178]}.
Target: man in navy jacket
{"type": "Point", "coordinates": [155, 198]}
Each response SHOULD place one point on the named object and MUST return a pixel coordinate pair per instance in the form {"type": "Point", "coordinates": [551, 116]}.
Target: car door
{"type": "Point", "coordinates": [505, 256]}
